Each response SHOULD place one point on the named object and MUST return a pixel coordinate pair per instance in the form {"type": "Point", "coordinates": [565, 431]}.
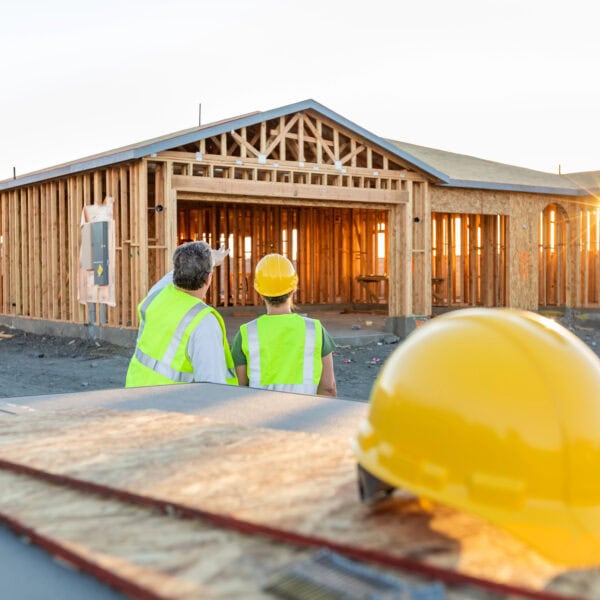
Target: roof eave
{"type": "Point", "coordinates": [68, 169]}
{"type": "Point", "coordinates": [206, 132]}
{"type": "Point", "coordinates": [513, 187]}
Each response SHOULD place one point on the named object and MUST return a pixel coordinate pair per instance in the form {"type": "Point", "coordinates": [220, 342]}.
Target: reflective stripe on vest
{"type": "Point", "coordinates": [143, 308]}
{"type": "Point", "coordinates": [308, 386]}
{"type": "Point", "coordinates": [163, 367]}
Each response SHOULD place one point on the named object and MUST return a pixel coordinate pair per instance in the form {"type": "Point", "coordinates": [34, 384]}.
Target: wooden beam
{"type": "Point", "coordinates": [264, 189]}
{"type": "Point", "coordinates": [336, 144]}
{"type": "Point", "coordinates": [244, 144]}
{"type": "Point", "coordinates": [52, 260]}
{"type": "Point", "coordinates": [301, 139]}
{"type": "Point", "coordinates": [309, 167]}
{"type": "Point", "coordinates": [400, 276]}
{"type": "Point", "coordinates": [280, 138]}
{"type": "Point", "coordinates": [24, 237]}
{"type": "Point", "coordinates": [31, 283]}
{"type": "Point", "coordinates": [45, 251]}
{"type": "Point", "coordinates": [171, 212]}
{"type": "Point", "coordinates": [183, 198]}
{"type": "Point", "coordinates": [263, 138]}
{"type": "Point", "coordinates": [351, 156]}
{"type": "Point", "coordinates": [4, 264]}
{"type": "Point", "coordinates": [321, 143]}
{"type": "Point", "coordinates": [73, 244]}
{"type": "Point", "coordinates": [142, 205]}
{"type": "Point", "coordinates": [15, 253]}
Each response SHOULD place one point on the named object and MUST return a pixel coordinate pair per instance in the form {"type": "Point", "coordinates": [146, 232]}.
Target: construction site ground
{"type": "Point", "coordinates": [33, 364]}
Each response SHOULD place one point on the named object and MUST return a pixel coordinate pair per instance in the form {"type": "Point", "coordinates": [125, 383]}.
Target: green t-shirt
{"type": "Point", "coordinates": [239, 358]}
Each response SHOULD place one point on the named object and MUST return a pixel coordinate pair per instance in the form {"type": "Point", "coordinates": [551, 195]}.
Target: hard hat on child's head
{"type": "Point", "coordinates": [275, 276]}
{"type": "Point", "coordinates": [496, 412]}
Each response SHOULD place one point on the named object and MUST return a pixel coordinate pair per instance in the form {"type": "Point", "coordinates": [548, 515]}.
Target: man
{"type": "Point", "coordinates": [181, 339]}
{"type": "Point", "coordinates": [218, 257]}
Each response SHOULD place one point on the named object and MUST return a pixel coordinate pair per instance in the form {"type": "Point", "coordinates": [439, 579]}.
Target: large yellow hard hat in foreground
{"type": "Point", "coordinates": [275, 276]}
{"type": "Point", "coordinates": [496, 412]}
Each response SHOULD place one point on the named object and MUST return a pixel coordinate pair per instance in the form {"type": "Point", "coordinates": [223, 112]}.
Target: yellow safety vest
{"type": "Point", "coordinates": [283, 352]}
{"type": "Point", "coordinates": [160, 356]}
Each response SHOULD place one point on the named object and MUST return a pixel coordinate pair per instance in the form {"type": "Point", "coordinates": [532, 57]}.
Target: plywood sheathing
{"type": "Point", "coordinates": [164, 556]}
{"type": "Point", "coordinates": [531, 278]}
{"type": "Point", "coordinates": [307, 486]}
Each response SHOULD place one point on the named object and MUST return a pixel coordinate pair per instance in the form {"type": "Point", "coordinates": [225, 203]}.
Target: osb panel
{"type": "Point", "coordinates": [523, 211]}
{"type": "Point", "coordinates": [171, 557]}
{"type": "Point", "coordinates": [296, 481]}
{"type": "Point", "coordinates": [457, 200]}
{"type": "Point", "coordinates": [523, 251]}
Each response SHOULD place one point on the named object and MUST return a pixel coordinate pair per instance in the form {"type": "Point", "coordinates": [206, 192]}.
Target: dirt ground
{"type": "Point", "coordinates": [32, 365]}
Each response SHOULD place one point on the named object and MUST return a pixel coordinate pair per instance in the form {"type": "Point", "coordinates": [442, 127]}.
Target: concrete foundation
{"type": "Point", "coordinates": [403, 326]}
{"type": "Point", "coordinates": [113, 335]}
{"type": "Point", "coordinates": [346, 328]}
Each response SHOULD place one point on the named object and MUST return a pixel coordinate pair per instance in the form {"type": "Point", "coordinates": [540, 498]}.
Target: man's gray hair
{"type": "Point", "coordinates": [193, 263]}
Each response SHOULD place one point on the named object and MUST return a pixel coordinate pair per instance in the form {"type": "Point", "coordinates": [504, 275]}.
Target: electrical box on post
{"type": "Point", "coordinates": [100, 252]}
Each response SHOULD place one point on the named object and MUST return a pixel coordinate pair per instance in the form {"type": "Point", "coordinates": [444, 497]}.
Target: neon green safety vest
{"type": "Point", "coordinates": [160, 356]}
{"type": "Point", "coordinates": [283, 352]}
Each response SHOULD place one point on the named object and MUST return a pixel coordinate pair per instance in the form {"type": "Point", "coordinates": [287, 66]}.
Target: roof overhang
{"type": "Point", "coordinates": [145, 149]}
{"type": "Point", "coordinates": [511, 187]}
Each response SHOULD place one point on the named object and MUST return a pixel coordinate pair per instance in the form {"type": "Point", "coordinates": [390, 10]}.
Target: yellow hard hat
{"type": "Point", "coordinates": [275, 276]}
{"type": "Point", "coordinates": [496, 412]}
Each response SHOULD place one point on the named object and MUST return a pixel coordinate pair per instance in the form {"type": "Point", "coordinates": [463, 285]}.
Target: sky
{"type": "Point", "coordinates": [512, 81]}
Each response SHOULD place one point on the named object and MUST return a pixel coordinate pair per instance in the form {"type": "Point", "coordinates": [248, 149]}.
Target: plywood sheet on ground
{"type": "Point", "coordinates": [171, 558]}
{"type": "Point", "coordinates": [296, 481]}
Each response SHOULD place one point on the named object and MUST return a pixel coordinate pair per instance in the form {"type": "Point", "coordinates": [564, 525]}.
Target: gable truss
{"type": "Point", "coordinates": [301, 138]}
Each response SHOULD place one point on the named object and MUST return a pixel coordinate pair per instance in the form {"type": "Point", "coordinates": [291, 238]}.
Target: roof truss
{"type": "Point", "coordinates": [301, 137]}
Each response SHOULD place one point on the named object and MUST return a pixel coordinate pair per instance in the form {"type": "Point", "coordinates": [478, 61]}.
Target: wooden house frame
{"type": "Point", "coordinates": [368, 222]}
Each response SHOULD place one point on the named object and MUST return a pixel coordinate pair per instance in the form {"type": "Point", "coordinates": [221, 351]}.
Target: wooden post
{"type": "Point", "coordinates": [24, 237]}
{"type": "Point", "coordinates": [142, 204]}
{"type": "Point", "coordinates": [400, 289]}
{"type": "Point", "coordinates": [53, 296]}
